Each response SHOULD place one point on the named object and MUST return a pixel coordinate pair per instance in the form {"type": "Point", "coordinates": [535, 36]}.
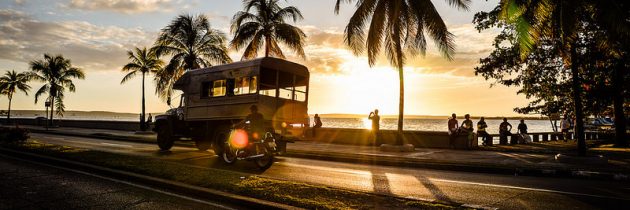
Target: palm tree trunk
{"type": "Point", "coordinates": [9, 110]}
{"type": "Point", "coordinates": [577, 102]}
{"type": "Point", "coordinates": [142, 123]}
{"type": "Point", "coordinates": [52, 110]}
{"type": "Point", "coordinates": [618, 100]}
{"type": "Point", "coordinates": [401, 104]}
{"type": "Point", "coordinates": [267, 48]}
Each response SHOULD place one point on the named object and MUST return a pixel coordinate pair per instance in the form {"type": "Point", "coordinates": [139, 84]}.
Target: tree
{"type": "Point", "coordinates": [143, 61]}
{"type": "Point", "coordinates": [266, 25]}
{"type": "Point", "coordinates": [12, 82]}
{"type": "Point", "coordinates": [192, 44]}
{"type": "Point", "coordinates": [57, 73]}
{"type": "Point", "coordinates": [542, 75]}
{"type": "Point", "coordinates": [560, 21]}
{"type": "Point", "coordinates": [398, 26]}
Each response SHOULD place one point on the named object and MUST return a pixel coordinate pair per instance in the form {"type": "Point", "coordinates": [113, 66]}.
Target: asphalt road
{"type": "Point", "coordinates": [489, 190]}
{"type": "Point", "coordinates": [25, 185]}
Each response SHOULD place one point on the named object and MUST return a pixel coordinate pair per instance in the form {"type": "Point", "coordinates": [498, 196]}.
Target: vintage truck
{"type": "Point", "coordinates": [216, 98]}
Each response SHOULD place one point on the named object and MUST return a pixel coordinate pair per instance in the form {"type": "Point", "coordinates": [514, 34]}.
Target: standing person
{"type": "Point", "coordinates": [481, 131]}
{"type": "Point", "coordinates": [376, 124]}
{"type": "Point", "coordinates": [504, 132]}
{"type": "Point", "coordinates": [565, 125]}
{"type": "Point", "coordinates": [149, 121]}
{"type": "Point", "coordinates": [453, 130]}
{"type": "Point", "coordinates": [318, 123]}
{"type": "Point", "coordinates": [522, 130]}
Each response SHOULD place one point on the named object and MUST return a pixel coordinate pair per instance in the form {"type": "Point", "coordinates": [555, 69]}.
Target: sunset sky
{"type": "Point", "coordinates": [95, 35]}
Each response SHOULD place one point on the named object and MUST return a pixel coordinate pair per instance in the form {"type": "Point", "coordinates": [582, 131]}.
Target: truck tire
{"type": "Point", "coordinates": [219, 138]}
{"type": "Point", "coordinates": [165, 138]}
{"type": "Point", "coordinates": [202, 143]}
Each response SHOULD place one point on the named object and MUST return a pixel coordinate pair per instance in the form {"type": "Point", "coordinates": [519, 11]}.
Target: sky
{"type": "Point", "coordinates": [95, 35]}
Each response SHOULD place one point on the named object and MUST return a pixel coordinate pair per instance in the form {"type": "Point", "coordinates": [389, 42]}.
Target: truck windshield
{"type": "Point", "coordinates": [287, 85]}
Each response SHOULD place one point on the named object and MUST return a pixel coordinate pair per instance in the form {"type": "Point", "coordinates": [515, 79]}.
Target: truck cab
{"type": "Point", "coordinates": [217, 97]}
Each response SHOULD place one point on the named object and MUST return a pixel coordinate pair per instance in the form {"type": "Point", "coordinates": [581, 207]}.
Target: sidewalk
{"type": "Point", "coordinates": [534, 159]}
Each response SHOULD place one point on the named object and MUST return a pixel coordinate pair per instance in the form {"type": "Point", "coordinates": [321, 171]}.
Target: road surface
{"type": "Point", "coordinates": [489, 190]}
{"type": "Point", "coordinates": [27, 185]}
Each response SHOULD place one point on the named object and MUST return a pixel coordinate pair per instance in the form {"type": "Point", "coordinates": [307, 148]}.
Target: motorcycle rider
{"type": "Point", "coordinates": [256, 122]}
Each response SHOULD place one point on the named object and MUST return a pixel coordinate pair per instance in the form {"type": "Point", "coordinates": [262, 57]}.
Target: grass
{"type": "Point", "coordinates": [287, 192]}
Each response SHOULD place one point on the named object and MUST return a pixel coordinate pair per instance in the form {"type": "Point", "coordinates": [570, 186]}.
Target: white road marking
{"type": "Point", "coordinates": [527, 188]}
{"type": "Point", "coordinates": [116, 145]}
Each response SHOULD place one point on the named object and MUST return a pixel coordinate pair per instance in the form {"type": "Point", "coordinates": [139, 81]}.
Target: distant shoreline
{"type": "Point", "coordinates": [70, 113]}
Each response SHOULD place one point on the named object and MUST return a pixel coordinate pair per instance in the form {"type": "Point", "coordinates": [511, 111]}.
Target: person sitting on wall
{"type": "Point", "coordinates": [453, 130]}
{"type": "Point", "coordinates": [467, 127]}
{"type": "Point", "coordinates": [481, 131]}
{"type": "Point", "coordinates": [504, 132]}
{"type": "Point", "coordinates": [376, 125]}
{"type": "Point", "coordinates": [318, 123]}
{"type": "Point", "coordinates": [522, 130]}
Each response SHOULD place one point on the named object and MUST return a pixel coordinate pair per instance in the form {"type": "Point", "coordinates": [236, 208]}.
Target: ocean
{"type": "Point", "coordinates": [432, 124]}
{"type": "Point", "coordinates": [420, 124]}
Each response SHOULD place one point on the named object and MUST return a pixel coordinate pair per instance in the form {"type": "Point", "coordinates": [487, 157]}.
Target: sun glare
{"type": "Point", "coordinates": [367, 124]}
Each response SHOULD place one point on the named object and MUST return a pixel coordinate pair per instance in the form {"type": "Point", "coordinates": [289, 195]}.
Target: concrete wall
{"type": "Point", "coordinates": [430, 139]}
{"type": "Point", "coordinates": [95, 124]}
{"type": "Point", "coordinates": [427, 139]}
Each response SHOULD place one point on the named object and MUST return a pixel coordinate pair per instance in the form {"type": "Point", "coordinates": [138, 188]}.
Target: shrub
{"type": "Point", "coordinates": [13, 135]}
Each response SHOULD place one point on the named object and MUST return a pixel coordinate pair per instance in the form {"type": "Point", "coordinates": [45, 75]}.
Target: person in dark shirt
{"type": "Point", "coordinates": [481, 131]}
{"type": "Point", "coordinates": [522, 130]}
{"type": "Point", "coordinates": [256, 122]}
{"type": "Point", "coordinates": [376, 124]}
{"type": "Point", "coordinates": [453, 130]}
{"type": "Point", "coordinates": [504, 132]}
{"type": "Point", "coordinates": [522, 127]}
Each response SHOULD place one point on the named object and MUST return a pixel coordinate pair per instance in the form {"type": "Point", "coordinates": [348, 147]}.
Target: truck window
{"type": "Point", "coordinates": [219, 88]}
{"type": "Point", "coordinates": [245, 85]}
{"type": "Point", "coordinates": [285, 85]}
{"type": "Point", "coordinates": [268, 82]}
{"type": "Point", "coordinates": [300, 88]}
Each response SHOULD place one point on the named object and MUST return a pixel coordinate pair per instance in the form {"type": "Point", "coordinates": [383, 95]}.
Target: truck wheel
{"type": "Point", "coordinates": [165, 138]}
{"type": "Point", "coordinates": [219, 138]}
{"type": "Point", "coordinates": [202, 144]}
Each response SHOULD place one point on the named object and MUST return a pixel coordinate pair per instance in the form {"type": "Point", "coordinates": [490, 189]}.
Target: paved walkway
{"type": "Point", "coordinates": [535, 155]}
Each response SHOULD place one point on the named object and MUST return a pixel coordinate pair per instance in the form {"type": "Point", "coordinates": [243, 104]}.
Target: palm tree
{"type": "Point", "coordinates": [192, 44]}
{"type": "Point", "coordinates": [266, 25]}
{"type": "Point", "coordinates": [398, 27]}
{"type": "Point", "coordinates": [560, 21]}
{"type": "Point", "coordinates": [143, 61]}
{"type": "Point", "coordinates": [57, 73]}
{"type": "Point", "coordinates": [10, 83]}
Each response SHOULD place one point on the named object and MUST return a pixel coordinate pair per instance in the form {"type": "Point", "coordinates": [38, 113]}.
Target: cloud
{"type": "Point", "coordinates": [122, 6]}
{"type": "Point", "coordinates": [92, 47]}
{"type": "Point", "coordinates": [327, 53]}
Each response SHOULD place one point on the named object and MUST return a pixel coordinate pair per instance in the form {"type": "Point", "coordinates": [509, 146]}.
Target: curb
{"type": "Point", "coordinates": [211, 194]}
{"type": "Point", "coordinates": [516, 171]}
{"type": "Point", "coordinates": [388, 161]}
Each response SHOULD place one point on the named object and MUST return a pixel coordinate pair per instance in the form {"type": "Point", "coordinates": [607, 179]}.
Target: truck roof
{"type": "Point", "coordinates": [266, 62]}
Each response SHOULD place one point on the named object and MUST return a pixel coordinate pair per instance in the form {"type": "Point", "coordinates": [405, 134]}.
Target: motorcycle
{"type": "Point", "coordinates": [243, 144]}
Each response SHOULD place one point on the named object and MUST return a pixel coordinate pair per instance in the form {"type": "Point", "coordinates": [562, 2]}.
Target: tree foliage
{"type": "Point", "coordinates": [263, 23]}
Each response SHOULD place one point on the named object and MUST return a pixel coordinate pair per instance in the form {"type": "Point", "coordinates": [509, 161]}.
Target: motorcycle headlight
{"type": "Point", "coordinates": [239, 138]}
